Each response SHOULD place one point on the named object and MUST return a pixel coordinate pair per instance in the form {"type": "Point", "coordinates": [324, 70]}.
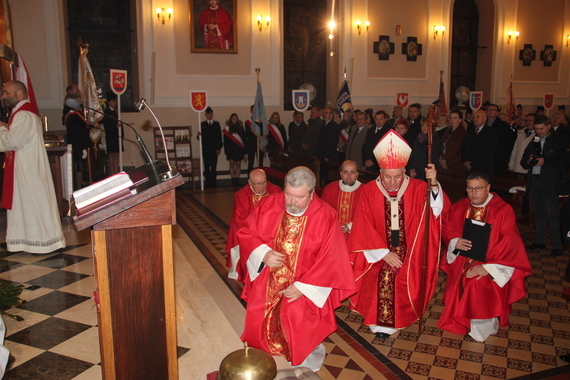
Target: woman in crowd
{"type": "Point", "coordinates": [234, 146]}
{"type": "Point", "coordinates": [276, 136]}
{"type": "Point", "coordinates": [418, 159]}
{"type": "Point", "coordinates": [452, 142]}
{"type": "Point", "coordinates": [401, 126]}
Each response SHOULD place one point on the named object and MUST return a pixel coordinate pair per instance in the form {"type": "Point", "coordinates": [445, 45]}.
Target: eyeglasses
{"type": "Point", "coordinates": [477, 189]}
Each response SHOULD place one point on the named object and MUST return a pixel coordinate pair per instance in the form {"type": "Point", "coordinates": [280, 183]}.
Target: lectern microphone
{"type": "Point", "coordinates": [141, 104]}
{"type": "Point", "coordinates": [74, 103]}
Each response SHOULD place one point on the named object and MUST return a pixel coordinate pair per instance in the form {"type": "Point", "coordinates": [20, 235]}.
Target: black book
{"type": "Point", "coordinates": [478, 233]}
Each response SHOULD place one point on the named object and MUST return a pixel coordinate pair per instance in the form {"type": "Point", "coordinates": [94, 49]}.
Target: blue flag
{"type": "Point", "coordinates": [343, 102]}
{"type": "Point", "coordinates": [259, 117]}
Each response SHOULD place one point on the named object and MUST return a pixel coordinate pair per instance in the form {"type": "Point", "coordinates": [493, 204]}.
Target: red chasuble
{"type": "Point", "coordinates": [222, 19]}
{"type": "Point", "coordinates": [385, 296]}
{"type": "Point", "coordinates": [10, 162]}
{"type": "Point", "coordinates": [315, 255]}
{"type": "Point", "coordinates": [343, 202]}
{"type": "Point", "coordinates": [245, 201]}
{"type": "Point", "coordinates": [472, 298]}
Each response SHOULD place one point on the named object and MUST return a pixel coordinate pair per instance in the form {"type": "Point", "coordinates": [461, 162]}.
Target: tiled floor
{"type": "Point", "coordinates": [58, 338]}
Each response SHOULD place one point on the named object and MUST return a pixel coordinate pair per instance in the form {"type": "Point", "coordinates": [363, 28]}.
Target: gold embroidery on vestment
{"type": "Point", "coordinates": [288, 242]}
{"type": "Point", "coordinates": [344, 202]}
{"type": "Point", "coordinates": [387, 274]}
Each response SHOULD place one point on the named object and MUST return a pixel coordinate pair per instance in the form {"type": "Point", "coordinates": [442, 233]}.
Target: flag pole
{"type": "Point", "coordinates": [258, 152]}
{"type": "Point", "coordinates": [201, 156]}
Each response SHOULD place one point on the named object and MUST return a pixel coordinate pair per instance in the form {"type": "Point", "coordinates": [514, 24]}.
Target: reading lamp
{"type": "Point", "coordinates": [141, 104]}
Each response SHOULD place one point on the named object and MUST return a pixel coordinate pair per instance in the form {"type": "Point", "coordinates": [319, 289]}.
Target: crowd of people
{"type": "Point", "coordinates": [391, 235]}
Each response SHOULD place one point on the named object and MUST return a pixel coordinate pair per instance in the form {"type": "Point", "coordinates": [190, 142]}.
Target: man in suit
{"type": "Point", "coordinates": [397, 113]}
{"type": "Point", "coordinates": [211, 133]}
{"type": "Point", "coordinates": [312, 132]}
{"type": "Point", "coordinates": [326, 144]}
{"type": "Point", "coordinates": [373, 135]}
{"type": "Point", "coordinates": [297, 130]}
{"type": "Point", "coordinates": [357, 138]}
{"type": "Point", "coordinates": [414, 117]}
{"type": "Point", "coordinates": [545, 158]}
{"type": "Point", "coordinates": [505, 137]}
{"type": "Point", "coordinates": [479, 146]}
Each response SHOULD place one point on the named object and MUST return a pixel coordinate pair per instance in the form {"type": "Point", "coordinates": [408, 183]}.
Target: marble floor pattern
{"type": "Point", "coordinates": [58, 338]}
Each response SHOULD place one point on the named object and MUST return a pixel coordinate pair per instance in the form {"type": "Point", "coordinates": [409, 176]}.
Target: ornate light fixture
{"type": "Point", "coordinates": [359, 26]}
{"type": "Point", "coordinates": [163, 15]}
{"type": "Point", "coordinates": [511, 34]}
{"type": "Point", "coordinates": [260, 24]}
{"type": "Point", "coordinates": [437, 29]}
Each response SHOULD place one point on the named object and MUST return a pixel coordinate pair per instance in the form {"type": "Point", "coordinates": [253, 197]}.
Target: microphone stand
{"type": "Point", "coordinates": [172, 172]}
{"type": "Point", "coordinates": [138, 137]}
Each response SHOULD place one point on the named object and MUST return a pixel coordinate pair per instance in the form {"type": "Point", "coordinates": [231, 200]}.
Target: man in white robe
{"type": "Point", "coordinates": [34, 224]}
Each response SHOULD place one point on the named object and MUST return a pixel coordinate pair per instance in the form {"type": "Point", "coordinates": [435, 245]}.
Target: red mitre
{"type": "Point", "coordinates": [392, 151]}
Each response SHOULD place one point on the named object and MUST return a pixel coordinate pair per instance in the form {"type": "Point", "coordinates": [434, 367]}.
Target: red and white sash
{"type": "Point", "coordinates": [276, 133]}
{"type": "Point", "coordinates": [344, 135]}
{"type": "Point", "coordinates": [234, 137]}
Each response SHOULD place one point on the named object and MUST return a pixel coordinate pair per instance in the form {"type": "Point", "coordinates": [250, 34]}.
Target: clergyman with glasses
{"type": "Point", "coordinates": [479, 294]}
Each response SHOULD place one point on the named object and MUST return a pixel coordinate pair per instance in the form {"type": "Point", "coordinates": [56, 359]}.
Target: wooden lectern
{"type": "Point", "coordinates": [132, 251]}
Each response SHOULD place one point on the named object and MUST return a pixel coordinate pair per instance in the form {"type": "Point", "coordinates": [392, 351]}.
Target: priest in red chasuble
{"type": "Point", "coordinates": [298, 272]}
{"type": "Point", "coordinates": [245, 201]}
{"type": "Point", "coordinates": [387, 241]}
{"type": "Point", "coordinates": [217, 26]}
{"type": "Point", "coordinates": [344, 194]}
{"type": "Point", "coordinates": [478, 295]}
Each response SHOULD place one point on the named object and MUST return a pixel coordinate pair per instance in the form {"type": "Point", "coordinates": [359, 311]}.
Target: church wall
{"type": "Point", "coordinates": [168, 70]}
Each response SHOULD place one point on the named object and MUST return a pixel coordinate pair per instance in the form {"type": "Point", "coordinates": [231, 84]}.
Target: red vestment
{"type": "Point", "coordinates": [473, 298]}
{"type": "Point", "coordinates": [343, 202]}
{"type": "Point", "coordinates": [245, 201]}
{"type": "Point", "coordinates": [222, 19]}
{"type": "Point", "coordinates": [370, 231]}
{"type": "Point", "coordinates": [320, 258]}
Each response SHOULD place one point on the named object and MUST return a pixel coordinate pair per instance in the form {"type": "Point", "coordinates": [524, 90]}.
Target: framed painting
{"type": "Point", "coordinates": [213, 26]}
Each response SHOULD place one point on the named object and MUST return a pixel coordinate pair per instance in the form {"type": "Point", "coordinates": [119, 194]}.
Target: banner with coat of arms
{"type": "Point", "coordinates": [402, 99]}
{"type": "Point", "coordinates": [475, 100]}
{"type": "Point", "coordinates": [548, 101]}
{"type": "Point", "coordinates": [199, 100]}
{"type": "Point", "coordinates": [118, 80]}
{"type": "Point", "coordinates": [301, 100]}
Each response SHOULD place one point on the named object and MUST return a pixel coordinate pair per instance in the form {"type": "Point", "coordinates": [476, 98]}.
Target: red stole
{"type": "Point", "coordinates": [9, 164]}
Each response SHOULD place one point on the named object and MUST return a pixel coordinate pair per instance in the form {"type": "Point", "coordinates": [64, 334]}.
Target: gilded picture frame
{"type": "Point", "coordinates": [213, 26]}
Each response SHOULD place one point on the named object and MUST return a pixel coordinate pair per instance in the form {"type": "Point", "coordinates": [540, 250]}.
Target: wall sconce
{"type": "Point", "coordinates": [511, 34]}
{"type": "Point", "coordinates": [332, 26]}
{"type": "Point", "coordinates": [398, 30]}
{"type": "Point", "coordinates": [437, 29]}
{"type": "Point", "coordinates": [163, 14]}
{"type": "Point", "coordinates": [260, 23]}
{"type": "Point", "coordinates": [359, 26]}
{"type": "Point", "coordinates": [567, 39]}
